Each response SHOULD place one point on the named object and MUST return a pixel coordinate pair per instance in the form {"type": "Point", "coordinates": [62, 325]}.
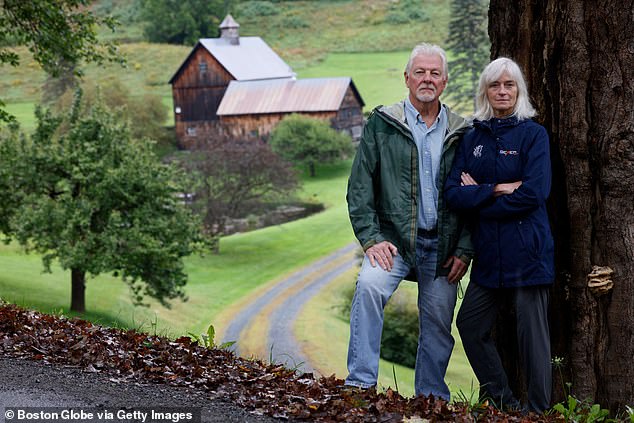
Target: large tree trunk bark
{"type": "Point", "coordinates": [578, 57]}
{"type": "Point", "coordinates": [78, 290]}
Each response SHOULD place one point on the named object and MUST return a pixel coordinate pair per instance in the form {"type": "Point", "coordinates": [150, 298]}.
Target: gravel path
{"type": "Point", "coordinates": [280, 336]}
{"type": "Point", "coordinates": [27, 383]}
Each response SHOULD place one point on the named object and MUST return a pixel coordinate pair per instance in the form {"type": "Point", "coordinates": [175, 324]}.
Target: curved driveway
{"type": "Point", "coordinates": [281, 304]}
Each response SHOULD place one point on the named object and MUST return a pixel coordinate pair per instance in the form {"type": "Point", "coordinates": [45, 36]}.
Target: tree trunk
{"type": "Point", "coordinates": [78, 290]}
{"type": "Point", "coordinates": [578, 58]}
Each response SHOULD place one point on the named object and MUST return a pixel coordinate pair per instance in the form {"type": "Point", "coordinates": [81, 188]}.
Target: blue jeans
{"type": "Point", "coordinates": [436, 302]}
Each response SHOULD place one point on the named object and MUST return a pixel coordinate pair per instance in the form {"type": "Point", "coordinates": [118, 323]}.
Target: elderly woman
{"type": "Point", "coordinates": [501, 178]}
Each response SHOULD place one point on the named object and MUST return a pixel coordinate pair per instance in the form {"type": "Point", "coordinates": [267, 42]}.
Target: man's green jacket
{"type": "Point", "coordinates": [383, 188]}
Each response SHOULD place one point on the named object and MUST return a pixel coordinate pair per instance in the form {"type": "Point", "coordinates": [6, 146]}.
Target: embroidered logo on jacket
{"type": "Point", "coordinates": [508, 152]}
{"type": "Point", "coordinates": [477, 151]}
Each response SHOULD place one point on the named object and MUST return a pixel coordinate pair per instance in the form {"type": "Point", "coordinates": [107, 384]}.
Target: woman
{"type": "Point", "coordinates": [501, 178]}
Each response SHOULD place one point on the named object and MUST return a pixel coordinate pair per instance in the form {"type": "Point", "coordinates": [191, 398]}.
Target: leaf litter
{"type": "Point", "coordinates": [131, 356]}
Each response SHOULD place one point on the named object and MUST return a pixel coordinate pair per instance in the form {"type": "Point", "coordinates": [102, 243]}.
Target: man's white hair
{"type": "Point", "coordinates": [426, 49]}
{"type": "Point", "coordinates": [492, 72]}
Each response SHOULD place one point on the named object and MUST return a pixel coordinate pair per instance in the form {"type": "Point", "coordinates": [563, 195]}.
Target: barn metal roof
{"type": "Point", "coordinates": [285, 96]}
{"type": "Point", "coordinates": [249, 60]}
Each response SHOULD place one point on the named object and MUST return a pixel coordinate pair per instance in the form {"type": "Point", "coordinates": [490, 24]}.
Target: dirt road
{"type": "Point", "coordinates": [266, 323]}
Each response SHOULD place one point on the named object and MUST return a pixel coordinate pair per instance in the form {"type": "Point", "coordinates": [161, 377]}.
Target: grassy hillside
{"type": "Point", "coordinates": [306, 31]}
{"type": "Point", "coordinates": [365, 39]}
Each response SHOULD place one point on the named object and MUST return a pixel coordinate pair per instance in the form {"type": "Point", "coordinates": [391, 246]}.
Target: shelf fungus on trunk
{"type": "Point", "coordinates": [600, 280]}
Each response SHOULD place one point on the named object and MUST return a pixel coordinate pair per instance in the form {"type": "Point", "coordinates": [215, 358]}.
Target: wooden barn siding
{"type": "Point", "coordinates": [198, 93]}
{"type": "Point", "coordinates": [191, 76]}
{"type": "Point", "coordinates": [262, 125]}
{"type": "Point", "coordinates": [349, 114]}
{"type": "Point", "coordinates": [198, 103]}
{"type": "Point", "coordinates": [235, 127]}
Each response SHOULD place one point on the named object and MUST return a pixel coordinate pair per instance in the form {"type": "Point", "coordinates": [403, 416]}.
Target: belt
{"type": "Point", "coordinates": [427, 233]}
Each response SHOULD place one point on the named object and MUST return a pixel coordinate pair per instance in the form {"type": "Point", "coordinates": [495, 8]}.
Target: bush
{"type": "Point", "coordinates": [294, 22]}
{"type": "Point", "coordinates": [146, 114]}
{"type": "Point", "coordinates": [406, 11]}
{"type": "Point", "coordinates": [305, 141]}
{"type": "Point", "coordinates": [400, 331]}
{"type": "Point", "coordinates": [255, 9]}
{"type": "Point", "coordinates": [399, 341]}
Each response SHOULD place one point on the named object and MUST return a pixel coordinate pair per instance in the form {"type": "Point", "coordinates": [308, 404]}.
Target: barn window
{"type": "Point", "coordinates": [191, 131]}
{"type": "Point", "coordinates": [202, 67]}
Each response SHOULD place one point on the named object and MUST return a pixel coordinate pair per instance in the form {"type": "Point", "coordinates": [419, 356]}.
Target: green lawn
{"type": "Point", "coordinates": [377, 76]}
{"type": "Point", "coordinates": [246, 261]}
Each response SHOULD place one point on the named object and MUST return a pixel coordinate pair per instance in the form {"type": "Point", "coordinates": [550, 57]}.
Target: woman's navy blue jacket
{"type": "Point", "coordinates": [511, 233]}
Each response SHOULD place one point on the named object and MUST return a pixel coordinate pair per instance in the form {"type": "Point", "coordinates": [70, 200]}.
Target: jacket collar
{"type": "Point", "coordinates": [395, 114]}
{"type": "Point", "coordinates": [493, 123]}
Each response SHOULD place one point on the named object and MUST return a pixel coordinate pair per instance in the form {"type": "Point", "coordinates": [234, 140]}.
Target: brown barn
{"type": "Point", "coordinates": [239, 87]}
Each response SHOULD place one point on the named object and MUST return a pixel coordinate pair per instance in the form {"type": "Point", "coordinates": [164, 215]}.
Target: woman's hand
{"type": "Point", "coordinates": [505, 189]}
{"type": "Point", "coordinates": [498, 189]}
{"type": "Point", "coordinates": [466, 179]}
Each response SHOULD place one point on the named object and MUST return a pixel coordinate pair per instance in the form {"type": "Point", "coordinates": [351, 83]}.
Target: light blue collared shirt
{"type": "Point", "coordinates": [429, 142]}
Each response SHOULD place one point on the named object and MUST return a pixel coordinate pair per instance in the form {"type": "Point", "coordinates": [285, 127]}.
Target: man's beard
{"type": "Point", "coordinates": [426, 98]}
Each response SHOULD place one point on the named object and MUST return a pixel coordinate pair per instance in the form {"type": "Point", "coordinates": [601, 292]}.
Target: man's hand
{"type": "Point", "coordinates": [505, 189]}
{"type": "Point", "coordinates": [458, 269]}
{"type": "Point", "coordinates": [382, 253]}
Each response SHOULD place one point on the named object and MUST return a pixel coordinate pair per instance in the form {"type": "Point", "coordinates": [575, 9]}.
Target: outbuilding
{"type": "Point", "coordinates": [238, 87]}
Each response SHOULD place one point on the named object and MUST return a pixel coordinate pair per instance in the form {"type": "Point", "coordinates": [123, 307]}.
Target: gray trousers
{"type": "Point", "coordinates": [475, 320]}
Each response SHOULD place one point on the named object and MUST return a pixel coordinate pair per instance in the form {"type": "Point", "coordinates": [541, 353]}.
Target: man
{"type": "Point", "coordinates": [401, 221]}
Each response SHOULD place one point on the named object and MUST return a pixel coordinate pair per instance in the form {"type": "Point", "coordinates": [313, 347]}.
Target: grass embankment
{"type": "Point", "coordinates": [247, 264]}
{"type": "Point", "coordinates": [246, 261]}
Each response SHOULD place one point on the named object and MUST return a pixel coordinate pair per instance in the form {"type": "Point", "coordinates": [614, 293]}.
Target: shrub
{"type": "Point", "coordinates": [406, 11]}
{"type": "Point", "coordinates": [399, 341]}
{"type": "Point", "coordinates": [146, 114]}
{"type": "Point", "coordinates": [305, 141]}
{"type": "Point", "coordinates": [294, 22]}
{"type": "Point", "coordinates": [255, 9]}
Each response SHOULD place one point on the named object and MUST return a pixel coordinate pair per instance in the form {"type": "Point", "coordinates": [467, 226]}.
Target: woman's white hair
{"type": "Point", "coordinates": [491, 73]}
{"type": "Point", "coordinates": [426, 49]}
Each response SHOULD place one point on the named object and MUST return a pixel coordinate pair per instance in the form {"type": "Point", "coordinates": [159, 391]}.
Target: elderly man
{"type": "Point", "coordinates": [401, 221]}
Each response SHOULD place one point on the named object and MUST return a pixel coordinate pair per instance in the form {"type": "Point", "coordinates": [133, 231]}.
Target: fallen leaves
{"type": "Point", "coordinates": [264, 388]}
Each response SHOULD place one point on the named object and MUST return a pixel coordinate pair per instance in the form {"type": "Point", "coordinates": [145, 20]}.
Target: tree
{"type": "Point", "coordinates": [57, 32]}
{"type": "Point", "coordinates": [183, 21]}
{"type": "Point", "coordinates": [469, 43]}
{"type": "Point", "coordinates": [579, 63]}
{"type": "Point", "coordinates": [306, 141]}
{"type": "Point", "coordinates": [234, 178]}
{"type": "Point", "coordinates": [146, 114]}
{"type": "Point", "coordinates": [96, 200]}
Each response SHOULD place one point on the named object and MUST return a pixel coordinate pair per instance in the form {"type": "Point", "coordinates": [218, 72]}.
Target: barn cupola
{"type": "Point", "coordinates": [229, 30]}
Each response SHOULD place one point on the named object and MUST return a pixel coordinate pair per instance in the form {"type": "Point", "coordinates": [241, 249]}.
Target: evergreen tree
{"type": "Point", "coordinates": [469, 43]}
